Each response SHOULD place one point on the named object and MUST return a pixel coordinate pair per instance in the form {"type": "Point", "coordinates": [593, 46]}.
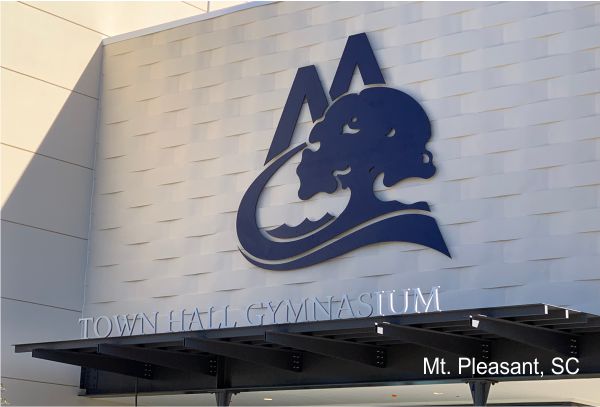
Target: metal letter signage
{"type": "Point", "coordinates": [358, 137]}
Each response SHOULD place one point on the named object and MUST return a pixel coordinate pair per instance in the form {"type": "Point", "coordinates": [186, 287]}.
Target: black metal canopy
{"type": "Point", "coordinates": [334, 353]}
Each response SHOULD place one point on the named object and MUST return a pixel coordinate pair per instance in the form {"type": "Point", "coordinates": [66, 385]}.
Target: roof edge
{"type": "Point", "coordinates": [183, 21]}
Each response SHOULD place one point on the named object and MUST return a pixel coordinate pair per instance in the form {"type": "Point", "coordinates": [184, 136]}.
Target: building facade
{"type": "Point", "coordinates": [186, 116]}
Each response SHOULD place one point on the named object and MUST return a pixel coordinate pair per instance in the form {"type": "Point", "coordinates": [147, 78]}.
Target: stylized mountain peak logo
{"type": "Point", "coordinates": [358, 137]}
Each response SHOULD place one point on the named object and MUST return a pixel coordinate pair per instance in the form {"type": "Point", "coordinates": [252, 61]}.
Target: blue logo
{"type": "Point", "coordinates": [356, 138]}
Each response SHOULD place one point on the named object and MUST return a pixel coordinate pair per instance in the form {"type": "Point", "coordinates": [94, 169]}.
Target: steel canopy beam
{"type": "Point", "coordinates": [572, 320]}
{"type": "Point", "coordinates": [551, 313]}
{"type": "Point", "coordinates": [278, 358]}
{"type": "Point", "coordinates": [169, 359]}
{"type": "Point", "coordinates": [538, 337]}
{"type": "Point", "coordinates": [95, 361]}
{"type": "Point", "coordinates": [405, 360]}
{"type": "Point", "coordinates": [442, 341]}
{"type": "Point", "coordinates": [361, 353]}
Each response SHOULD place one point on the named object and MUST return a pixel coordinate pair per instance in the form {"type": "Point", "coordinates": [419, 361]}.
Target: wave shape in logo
{"type": "Point", "coordinates": [358, 137]}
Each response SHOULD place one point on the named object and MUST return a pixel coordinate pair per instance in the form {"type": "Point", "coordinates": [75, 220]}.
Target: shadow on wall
{"type": "Point", "coordinates": [49, 187]}
{"type": "Point", "coordinates": [48, 149]}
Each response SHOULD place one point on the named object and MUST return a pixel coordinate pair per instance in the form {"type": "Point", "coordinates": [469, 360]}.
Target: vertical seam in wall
{"type": "Point", "coordinates": [44, 229]}
{"type": "Point", "coordinates": [47, 82]}
{"type": "Point", "coordinates": [62, 18]}
{"type": "Point", "coordinates": [44, 155]}
{"type": "Point", "coordinates": [40, 304]}
{"type": "Point", "coordinates": [196, 7]}
{"type": "Point", "coordinates": [41, 382]}
{"type": "Point", "coordinates": [96, 142]}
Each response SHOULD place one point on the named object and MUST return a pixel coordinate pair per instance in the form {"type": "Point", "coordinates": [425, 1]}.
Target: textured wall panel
{"type": "Point", "coordinates": [189, 113]}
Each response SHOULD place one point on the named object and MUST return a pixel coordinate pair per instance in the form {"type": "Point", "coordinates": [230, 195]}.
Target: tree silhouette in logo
{"type": "Point", "coordinates": [380, 130]}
